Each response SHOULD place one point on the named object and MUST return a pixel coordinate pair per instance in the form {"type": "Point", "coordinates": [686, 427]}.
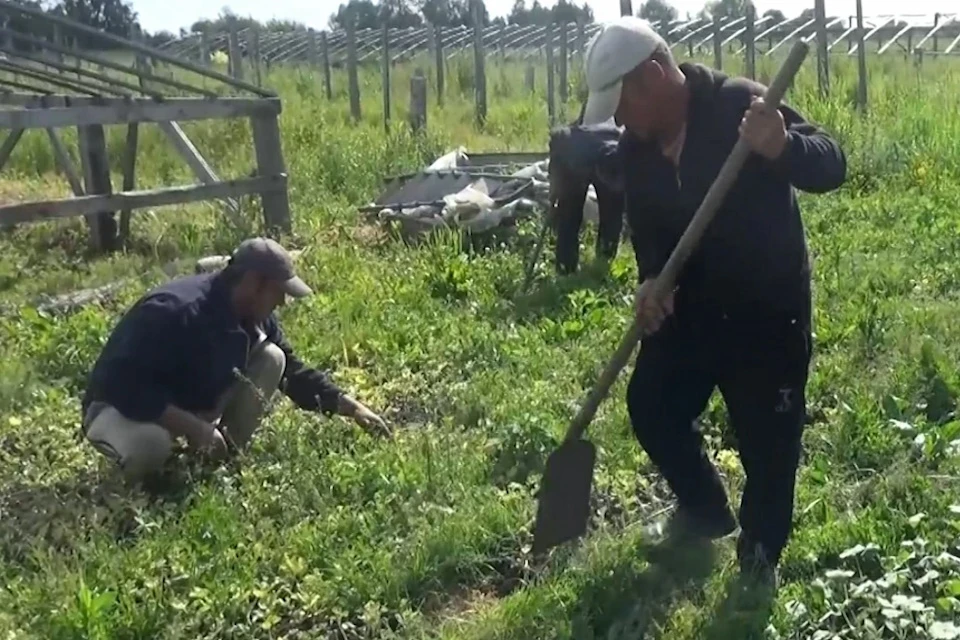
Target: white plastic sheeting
{"type": "Point", "coordinates": [472, 209]}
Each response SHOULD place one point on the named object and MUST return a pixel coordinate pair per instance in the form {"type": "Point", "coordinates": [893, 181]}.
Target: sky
{"type": "Point", "coordinates": [171, 15]}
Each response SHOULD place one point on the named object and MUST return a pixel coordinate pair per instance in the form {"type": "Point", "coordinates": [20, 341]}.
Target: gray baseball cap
{"type": "Point", "coordinates": [269, 259]}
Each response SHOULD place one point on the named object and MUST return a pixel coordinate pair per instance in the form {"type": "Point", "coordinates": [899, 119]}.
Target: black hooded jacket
{"type": "Point", "coordinates": [753, 256]}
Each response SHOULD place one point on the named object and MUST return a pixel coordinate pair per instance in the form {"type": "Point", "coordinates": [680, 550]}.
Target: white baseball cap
{"type": "Point", "coordinates": [613, 52]}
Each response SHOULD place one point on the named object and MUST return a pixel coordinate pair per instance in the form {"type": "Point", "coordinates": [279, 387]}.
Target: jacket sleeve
{"type": "Point", "coordinates": [812, 160]}
{"type": "Point", "coordinates": [308, 388]}
{"type": "Point", "coordinates": [144, 355]}
{"type": "Point", "coordinates": [642, 231]}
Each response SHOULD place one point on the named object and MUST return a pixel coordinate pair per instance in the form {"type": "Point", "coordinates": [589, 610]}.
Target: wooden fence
{"type": "Point", "coordinates": [561, 43]}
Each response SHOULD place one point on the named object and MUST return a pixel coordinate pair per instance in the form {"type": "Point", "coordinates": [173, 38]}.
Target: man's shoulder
{"type": "Point", "coordinates": [181, 296]}
{"type": "Point", "coordinates": [740, 89]}
{"type": "Point", "coordinates": [630, 148]}
{"type": "Point", "coordinates": [728, 93]}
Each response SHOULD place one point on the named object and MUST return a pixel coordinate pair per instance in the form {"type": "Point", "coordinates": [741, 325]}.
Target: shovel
{"type": "Point", "coordinates": [564, 496]}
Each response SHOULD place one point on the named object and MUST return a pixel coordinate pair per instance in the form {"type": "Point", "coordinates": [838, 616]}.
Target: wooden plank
{"type": "Point", "coordinates": [200, 167]}
{"type": "Point", "coordinates": [166, 196]}
{"type": "Point", "coordinates": [65, 163]}
{"type": "Point", "coordinates": [266, 140]}
{"type": "Point", "coordinates": [51, 78]}
{"type": "Point", "coordinates": [105, 62]}
{"type": "Point", "coordinates": [9, 144]}
{"type": "Point", "coordinates": [120, 111]}
{"type": "Point", "coordinates": [59, 66]}
{"type": "Point", "coordinates": [136, 46]}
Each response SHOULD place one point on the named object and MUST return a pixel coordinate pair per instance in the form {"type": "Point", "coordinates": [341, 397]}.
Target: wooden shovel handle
{"type": "Point", "coordinates": [666, 280]}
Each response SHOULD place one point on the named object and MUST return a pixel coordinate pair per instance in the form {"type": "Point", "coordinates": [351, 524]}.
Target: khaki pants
{"type": "Point", "coordinates": [141, 448]}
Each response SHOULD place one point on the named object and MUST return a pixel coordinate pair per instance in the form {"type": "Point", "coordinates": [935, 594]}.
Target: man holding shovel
{"type": "Point", "coordinates": [739, 317]}
{"type": "Point", "coordinates": [198, 358]}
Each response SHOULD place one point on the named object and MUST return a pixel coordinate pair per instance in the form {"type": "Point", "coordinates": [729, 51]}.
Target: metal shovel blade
{"type": "Point", "coordinates": [564, 501]}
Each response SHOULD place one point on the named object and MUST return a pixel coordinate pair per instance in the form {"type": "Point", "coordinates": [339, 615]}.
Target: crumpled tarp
{"type": "Point", "coordinates": [475, 193]}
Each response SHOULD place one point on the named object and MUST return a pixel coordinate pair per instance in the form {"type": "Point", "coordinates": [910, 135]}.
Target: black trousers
{"type": "Point", "coordinates": [760, 367]}
{"type": "Point", "coordinates": [569, 220]}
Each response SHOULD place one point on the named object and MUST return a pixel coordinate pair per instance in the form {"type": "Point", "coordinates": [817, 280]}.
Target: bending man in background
{"type": "Point", "coordinates": [582, 155]}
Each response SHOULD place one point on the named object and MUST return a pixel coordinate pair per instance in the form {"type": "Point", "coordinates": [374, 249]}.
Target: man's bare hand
{"type": "Point", "coordinates": [364, 417]}
{"type": "Point", "coordinates": [651, 312]}
{"type": "Point", "coordinates": [764, 129]}
{"type": "Point", "coordinates": [208, 441]}
{"type": "Point", "coordinates": [374, 424]}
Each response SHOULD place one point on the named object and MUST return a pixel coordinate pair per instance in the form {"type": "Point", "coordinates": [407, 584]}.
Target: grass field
{"type": "Point", "coordinates": [324, 532]}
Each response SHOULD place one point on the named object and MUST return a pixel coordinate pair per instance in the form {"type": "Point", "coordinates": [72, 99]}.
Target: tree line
{"type": "Point", "coordinates": [118, 17]}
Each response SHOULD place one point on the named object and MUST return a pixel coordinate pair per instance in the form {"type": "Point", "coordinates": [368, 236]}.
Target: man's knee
{"type": "Point", "coordinates": [267, 364]}
{"type": "Point", "coordinates": [138, 448]}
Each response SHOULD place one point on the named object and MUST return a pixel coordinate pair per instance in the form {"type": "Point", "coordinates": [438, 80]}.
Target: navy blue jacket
{"type": "Point", "coordinates": [180, 343]}
{"type": "Point", "coordinates": [587, 153]}
{"type": "Point", "coordinates": [753, 255]}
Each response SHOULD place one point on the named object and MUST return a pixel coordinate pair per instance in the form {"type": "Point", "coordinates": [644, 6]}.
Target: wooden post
{"type": "Point", "coordinates": [325, 55]}
{"type": "Point", "coordinates": [861, 62]}
{"type": "Point", "coordinates": [548, 45]}
{"type": "Point", "coordinates": [823, 74]}
{"type": "Point", "coordinates": [236, 63]}
{"type": "Point", "coordinates": [58, 39]}
{"type": "Point", "coordinates": [386, 76]}
{"type": "Point", "coordinates": [313, 58]}
{"type": "Point", "coordinates": [255, 54]}
{"type": "Point", "coordinates": [204, 48]}
{"type": "Point", "coordinates": [750, 36]}
{"type": "Point", "coordinates": [563, 68]}
{"type": "Point", "coordinates": [354, 84]}
{"type": "Point", "coordinates": [438, 31]}
{"type": "Point", "coordinates": [129, 173]}
{"type": "Point", "coordinates": [581, 40]}
{"type": "Point", "coordinates": [96, 178]}
{"type": "Point", "coordinates": [418, 101]}
{"type": "Point", "coordinates": [266, 140]}
{"type": "Point", "coordinates": [531, 79]}
{"type": "Point", "coordinates": [480, 75]}
{"type": "Point", "coordinates": [626, 8]}
{"type": "Point", "coordinates": [936, 23]}
{"type": "Point", "coordinates": [717, 46]}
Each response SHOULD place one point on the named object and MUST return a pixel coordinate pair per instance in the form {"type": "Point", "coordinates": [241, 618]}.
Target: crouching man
{"type": "Point", "coordinates": [580, 156]}
{"type": "Point", "coordinates": [199, 357]}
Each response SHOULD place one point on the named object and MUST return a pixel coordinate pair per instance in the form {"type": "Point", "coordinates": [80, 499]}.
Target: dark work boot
{"type": "Point", "coordinates": [757, 568]}
{"type": "Point", "coordinates": [701, 523]}
{"type": "Point", "coordinates": [688, 536]}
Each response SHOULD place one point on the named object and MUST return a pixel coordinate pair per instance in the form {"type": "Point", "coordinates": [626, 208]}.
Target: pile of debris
{"type": "Point", "coordinates": [477, 193]}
